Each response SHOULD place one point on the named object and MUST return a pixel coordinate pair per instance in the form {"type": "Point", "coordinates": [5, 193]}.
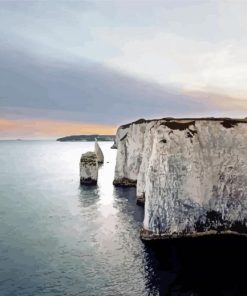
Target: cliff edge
{"type": "Point", "coordinates": [191, 173]}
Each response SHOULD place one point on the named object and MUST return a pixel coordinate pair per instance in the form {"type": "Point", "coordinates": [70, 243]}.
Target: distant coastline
{"type": "Point", "coordinates": [87, 138]}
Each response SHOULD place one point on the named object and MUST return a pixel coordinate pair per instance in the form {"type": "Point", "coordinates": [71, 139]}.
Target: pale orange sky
{"type": "Point", "coordinates": [12, 129]}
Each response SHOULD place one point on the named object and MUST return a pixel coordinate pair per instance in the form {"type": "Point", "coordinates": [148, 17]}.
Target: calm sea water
{"type": "Point", "coordinates": [58, 238]}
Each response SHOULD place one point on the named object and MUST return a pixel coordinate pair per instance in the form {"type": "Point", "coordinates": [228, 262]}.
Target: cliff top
{"type": "Point", "coordinates": [226, 121]}
{"type": "Point", "coordinates": [89, 158]}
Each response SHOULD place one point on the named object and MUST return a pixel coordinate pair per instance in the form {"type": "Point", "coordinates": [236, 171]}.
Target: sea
{"type": "Point", "coordinates": [60, 238]}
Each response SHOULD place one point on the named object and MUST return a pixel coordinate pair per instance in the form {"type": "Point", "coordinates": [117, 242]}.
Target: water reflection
{"type": "Point", "coordinates": [127, 266]}
{"type": "Point", "coordinates": [126, 199]}
{"type": "Point", "coordinates": [205, 266]}
{"type": "Point", "coordinates": [88, 195]}
{"type": "Point", "coordinates": [202, 266]}
{"type": "Point", "coordinates": [131, 216]}
{"type": "Point", "coordinates": [58, 238]}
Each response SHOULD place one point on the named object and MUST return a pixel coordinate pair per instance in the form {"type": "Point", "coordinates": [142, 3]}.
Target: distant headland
{"type": "Point", "coordinates": [87, 138]}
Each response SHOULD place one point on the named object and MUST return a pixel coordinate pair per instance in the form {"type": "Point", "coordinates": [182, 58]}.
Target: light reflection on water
{"type": "Point", "coordinates": [59, 238]}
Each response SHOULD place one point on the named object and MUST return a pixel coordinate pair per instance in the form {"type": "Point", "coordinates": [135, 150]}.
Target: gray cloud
{"type": "Point", "coordinates": [43, 73]}
{"type": "Point", "coordinates": [82, 91]}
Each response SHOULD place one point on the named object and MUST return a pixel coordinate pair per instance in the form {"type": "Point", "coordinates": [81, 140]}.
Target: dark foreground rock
{"type": "Point", "coordinates": [201, 266]}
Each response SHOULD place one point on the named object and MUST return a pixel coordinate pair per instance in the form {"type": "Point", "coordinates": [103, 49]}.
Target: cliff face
{"type": "Point", "coordinates": [191, 172]}
{"type": "Point", "coordinates": [129, 142]}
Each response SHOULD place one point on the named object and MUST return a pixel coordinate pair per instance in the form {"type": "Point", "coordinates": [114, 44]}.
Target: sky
{"type": "Point", "coordinates": [80, 67]}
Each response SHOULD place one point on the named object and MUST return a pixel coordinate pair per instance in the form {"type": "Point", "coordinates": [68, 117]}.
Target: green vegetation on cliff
{"type": "Point", "coordinates": [87, 138]}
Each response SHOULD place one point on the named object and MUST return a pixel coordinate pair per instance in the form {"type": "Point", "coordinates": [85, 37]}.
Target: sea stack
{"type": "Point", "coordinates": [191, 173]}
{"type": "Point", "coordinates": [114, 146]}
{"type": "Point", "coordinates": [88, 169]}
{"type": "Point", "coordinates": [98, 152]}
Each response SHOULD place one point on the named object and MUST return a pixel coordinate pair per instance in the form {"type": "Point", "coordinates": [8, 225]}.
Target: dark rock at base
{"type": "Point", "coordinates": [124, 182]}
{"type": "Point", "coordinates": [208, 265]}
{"type": "Point", "coordinates": [88, 181]}
{"type": "Point", "coordinates": [147, 235]}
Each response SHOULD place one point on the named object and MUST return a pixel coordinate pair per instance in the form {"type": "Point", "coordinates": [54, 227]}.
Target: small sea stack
{"type": "Point", "coordinates": [98, 152]}
{"type": "Point", "coordinates": [88, 169]}
{"type": "Point", "coordinates": [114, 146]}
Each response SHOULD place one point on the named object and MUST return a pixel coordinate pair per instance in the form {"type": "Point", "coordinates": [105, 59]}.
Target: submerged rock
{"type": "Point", "coordinates": [99, 153]}
{"type": "Point", "coordinates": [88, 169]}
{"type": "Point", "coordinates": [192, 174]}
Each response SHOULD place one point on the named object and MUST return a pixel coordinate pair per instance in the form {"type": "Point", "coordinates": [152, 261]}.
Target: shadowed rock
{"type": "Point", "coordinates": [140, 200]}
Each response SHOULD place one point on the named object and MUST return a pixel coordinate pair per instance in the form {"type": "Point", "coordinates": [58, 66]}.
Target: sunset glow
{"type": "Point", "coordinates": [11, 129]}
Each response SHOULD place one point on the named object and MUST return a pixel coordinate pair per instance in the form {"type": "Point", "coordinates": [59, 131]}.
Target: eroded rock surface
{"type": "Point", "coordinates": [88, 169]}
{"type": "Point", "coordinates": [192, 174]}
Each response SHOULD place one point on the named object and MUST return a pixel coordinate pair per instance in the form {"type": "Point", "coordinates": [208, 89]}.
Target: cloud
{"type": "Point", "coordinates": [171, 59]}
{"type": "Point", "coordinates": [111, 62]}
{"type": "Point", "coordinates": [195, 46]}
{"type": "Point", "coordinates": [83, 91]}
{"type": "Point", "coordinates": [225, 105]}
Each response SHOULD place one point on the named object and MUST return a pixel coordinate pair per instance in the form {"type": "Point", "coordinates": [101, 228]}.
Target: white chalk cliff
{"type": "Point", "coordinates": [192, 174]}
